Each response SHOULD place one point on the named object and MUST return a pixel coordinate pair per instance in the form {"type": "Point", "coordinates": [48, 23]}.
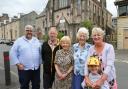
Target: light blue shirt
{"type": "Point", "coordinates": [80, 57]}
{"type": "Point", "coordinates": [26, 52]}
{"type": "Point", "coordinates": [94, 78]}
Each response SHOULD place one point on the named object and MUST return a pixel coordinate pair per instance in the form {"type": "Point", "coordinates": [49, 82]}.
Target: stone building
{"type": "Point", "coordinates": [67, 15]}
{"type": "Point", "coordinates": [40, 24]}
{"type": "Point", "coordinates": [26, 19]}
{"type": "Point", "coordinates": [4, 19]}
{"type": "Point", "coordinates": [14, 29]}
{"type": "Point", "coordinates": [114, 22]}
{"type": "Point", "coordinates": [122, 24]}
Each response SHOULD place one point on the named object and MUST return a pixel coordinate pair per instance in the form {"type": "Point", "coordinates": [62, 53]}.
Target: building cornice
{"type": "Point", "coordinates": [121, 2]}
{"type": "Point", "coordinates": [67, 7]}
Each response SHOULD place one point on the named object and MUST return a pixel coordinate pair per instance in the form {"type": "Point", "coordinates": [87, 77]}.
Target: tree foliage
{"type": "Point", "coordinates": [60, 35]}
{"type": "Point", "coordinates": [88, 24]}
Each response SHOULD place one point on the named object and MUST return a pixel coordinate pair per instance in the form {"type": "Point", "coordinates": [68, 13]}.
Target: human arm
{"type": "Point", "coordinates": [88, 81]}
{"type": "Point", "coordinates": [40, 45]}
{"type": "Point", "coordinates": [13, 55]}
{"type": "Point", "coordinates": [56, 64]}
{"type": "Point", "coordinates": [58, 71]}
{"type": "Point", "coordinates": [86, 72]}
{"type": "Point", "coordinates": [43, 51]}
{"type": "Point", "coordinates": [110, 58]}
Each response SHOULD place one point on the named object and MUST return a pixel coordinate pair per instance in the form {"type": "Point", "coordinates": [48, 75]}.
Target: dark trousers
{"type": "Point", "coordinates": [48, 80]}
{"type": "Point", "coordinates": [27, 76]}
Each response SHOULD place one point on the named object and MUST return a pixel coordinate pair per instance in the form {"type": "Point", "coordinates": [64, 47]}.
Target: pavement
{"type": "Point", "coordinates": [121, 56]}
{"type": "Point", "coordinates": [14, 81]}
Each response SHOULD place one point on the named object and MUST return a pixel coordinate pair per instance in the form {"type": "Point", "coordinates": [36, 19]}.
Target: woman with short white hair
{"type": "Point", "coordinates": [106, 54]}
{"type": "Point", "coordinates": [80, 50]}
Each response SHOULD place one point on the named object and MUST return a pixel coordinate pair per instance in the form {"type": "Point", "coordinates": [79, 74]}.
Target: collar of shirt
{"type": "Point", "coordinates": [28, 40]}
{"type": "Point", "coordinates": [86, 46]}
{"type": "Point", "coordinates": [53, 44]}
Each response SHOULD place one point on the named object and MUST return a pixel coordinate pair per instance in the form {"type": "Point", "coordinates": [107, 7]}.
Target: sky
{"type": "Point", "coordinates": [14, 7]}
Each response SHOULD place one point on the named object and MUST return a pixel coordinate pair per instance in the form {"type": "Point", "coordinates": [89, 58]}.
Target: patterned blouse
{"type": "Point", "coordinates": [64, 60]}
{"type": "Point", "coordinates": [80, 57]}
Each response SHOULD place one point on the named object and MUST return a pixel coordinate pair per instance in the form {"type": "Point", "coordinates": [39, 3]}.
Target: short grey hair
{"type": "Point", "coordinates": [98, 30]}
{"type": "Point", "coordinates": [83, 30]}
{"type": "Point", "coordinates": [28, 27]}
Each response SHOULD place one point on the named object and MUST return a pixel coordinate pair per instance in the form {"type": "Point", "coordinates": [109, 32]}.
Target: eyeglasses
{"type": "Point", "coordinates": [28, 30]}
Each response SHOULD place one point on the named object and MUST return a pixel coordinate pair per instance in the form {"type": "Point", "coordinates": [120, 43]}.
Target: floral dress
{"type": "Point", "coordinates": [64, 60]}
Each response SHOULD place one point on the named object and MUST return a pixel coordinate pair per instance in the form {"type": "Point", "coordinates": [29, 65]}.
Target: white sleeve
{"type": "Point", "coordinates": [110, 59]}
{"type": "Point", "coordinates": [13, 54]}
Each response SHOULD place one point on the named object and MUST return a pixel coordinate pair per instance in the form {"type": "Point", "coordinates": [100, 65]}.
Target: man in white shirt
{"type": "Point", "coordinates": [25, 54]}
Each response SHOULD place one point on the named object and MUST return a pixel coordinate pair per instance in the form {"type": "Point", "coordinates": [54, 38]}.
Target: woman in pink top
{"type": "Point", "coordinates": [106, 53]}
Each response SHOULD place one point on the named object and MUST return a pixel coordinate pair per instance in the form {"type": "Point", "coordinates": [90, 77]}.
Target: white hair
{"type": "Point", "coordinates": [98, 30]}
{"type": "Point", "coordinates": [28, 27]}
{"type": "Point", "coordinates": [83, 30]}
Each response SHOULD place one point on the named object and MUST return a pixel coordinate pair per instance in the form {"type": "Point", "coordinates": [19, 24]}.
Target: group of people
{"type": "Point", "coordinates": [65, 66]}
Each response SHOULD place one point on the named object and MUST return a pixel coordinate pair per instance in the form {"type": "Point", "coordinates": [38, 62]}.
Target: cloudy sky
{"type": "Point", "coordinates": [14, 7]}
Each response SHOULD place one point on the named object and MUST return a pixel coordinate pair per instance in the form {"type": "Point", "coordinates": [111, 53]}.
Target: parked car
{"type": "Point", "coordinates": [9, 43]}
{"type": "Point", "coordinates": [2, 41]}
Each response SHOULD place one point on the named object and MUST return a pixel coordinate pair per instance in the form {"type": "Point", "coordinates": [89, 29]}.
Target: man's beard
{"type": "Point", "coordinates": [29, 36]}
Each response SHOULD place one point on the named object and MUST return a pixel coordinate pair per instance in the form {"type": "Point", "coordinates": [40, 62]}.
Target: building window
{"type": "Point", "coordinates": [43, 24]}
{"type": "Point", "coordinates": [94, 8]}
{"type": "Point", "coordinates": [99, 12]}
{"type": "Point", "coordinates": [127, 10]}
{"type": "Point", "coordinates": [15, 33]}
{"type": "Point", "coordinates": [56, 4]}
{"type": "Point", "coordinates": [78, 7]}
{"type": "Point", "coordinates": [123, 10]}
{"type": "Point", "coordinates": [63, 3]}
{"type": "Point", "coordinates": [89, 3]}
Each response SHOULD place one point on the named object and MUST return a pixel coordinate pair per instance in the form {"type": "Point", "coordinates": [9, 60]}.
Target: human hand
{"type": "Point", "coordinates": [88, 83]}
{"type": "Point", "coordinates": [97, 84]}
{"type": "Point", "coordinates": [20, 66]}
{"type": "Point", "coordinates": [64, 75]}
